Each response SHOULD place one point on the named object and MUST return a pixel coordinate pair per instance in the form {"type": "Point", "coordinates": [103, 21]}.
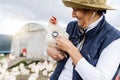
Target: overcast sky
{"type": "Point", "coordinates": [15, 13]}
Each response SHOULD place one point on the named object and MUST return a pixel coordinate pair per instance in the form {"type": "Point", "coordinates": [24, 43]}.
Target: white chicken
{"type": "Point", "coordinates": [23, 70]}
{"type": "Point", "coordinates": [54, 30]}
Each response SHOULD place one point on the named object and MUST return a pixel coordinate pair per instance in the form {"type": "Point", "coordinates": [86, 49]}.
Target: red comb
{"type": "Point", "coordinates": [53, 20]}
{"type": "Point", "coordinates": [54, 17]}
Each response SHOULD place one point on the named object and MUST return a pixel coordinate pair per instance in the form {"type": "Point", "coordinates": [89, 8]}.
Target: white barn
{"type": "Point", "coordinates": [32, 38]}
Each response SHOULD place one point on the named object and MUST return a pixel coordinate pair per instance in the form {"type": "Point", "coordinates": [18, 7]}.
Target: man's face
{"type": "Point", "coordinates": [83, 16]}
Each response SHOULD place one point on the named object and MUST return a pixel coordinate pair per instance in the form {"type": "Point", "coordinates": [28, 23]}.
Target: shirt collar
{"type": "Point", "coordinates": [93, 25]}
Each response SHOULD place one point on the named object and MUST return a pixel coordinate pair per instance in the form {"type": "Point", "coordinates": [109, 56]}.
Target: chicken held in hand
{"type": "Point", "coordinates": [54, 30]}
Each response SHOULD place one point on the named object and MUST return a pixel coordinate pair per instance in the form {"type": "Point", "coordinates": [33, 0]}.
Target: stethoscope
{"type": "Point", "coordinates": [55, 34]}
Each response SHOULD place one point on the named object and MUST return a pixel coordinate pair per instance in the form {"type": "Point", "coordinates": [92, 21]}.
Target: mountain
{"type": "Point", "coordinates": [5, 42]}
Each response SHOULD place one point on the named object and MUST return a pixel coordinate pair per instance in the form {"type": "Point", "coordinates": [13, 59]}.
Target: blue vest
{"type": "Point", "coordinates": [96, 40]}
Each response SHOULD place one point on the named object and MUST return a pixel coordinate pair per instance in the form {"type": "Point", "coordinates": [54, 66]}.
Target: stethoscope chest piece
{"type": "Point", "coordinates": [55, 34]}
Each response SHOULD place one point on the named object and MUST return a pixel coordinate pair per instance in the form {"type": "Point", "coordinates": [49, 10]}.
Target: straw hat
{"type": "Point", "coordinates": [87, 4]}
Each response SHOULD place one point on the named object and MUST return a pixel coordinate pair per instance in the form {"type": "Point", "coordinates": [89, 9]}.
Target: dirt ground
{"type": "Point", "coordinates": [41, 77]}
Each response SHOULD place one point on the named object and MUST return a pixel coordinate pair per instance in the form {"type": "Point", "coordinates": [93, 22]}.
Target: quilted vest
{"type": "Point", "coordinates": [96, 40]}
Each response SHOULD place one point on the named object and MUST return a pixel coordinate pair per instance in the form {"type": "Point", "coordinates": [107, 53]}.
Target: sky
{"type": "Point", "coordinates": [14, 14]}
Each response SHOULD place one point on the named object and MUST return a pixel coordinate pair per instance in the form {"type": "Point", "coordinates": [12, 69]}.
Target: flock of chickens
{"type": "Point", "coordinates": [34, 69]}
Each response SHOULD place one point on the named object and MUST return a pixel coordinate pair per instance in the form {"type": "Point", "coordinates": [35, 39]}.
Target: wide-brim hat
{"type": "Point", "coordinates": [88, 4]}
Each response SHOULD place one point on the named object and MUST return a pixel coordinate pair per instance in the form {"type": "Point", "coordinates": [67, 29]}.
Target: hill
{"type": "Point", "coordinates": [5, 42]}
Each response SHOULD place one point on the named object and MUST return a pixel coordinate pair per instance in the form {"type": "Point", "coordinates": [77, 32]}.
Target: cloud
{"type": "Point", "coordinates": [16, 11]}
{"type": "Point", "coordinates": [12, 18]}
{"type": "Point", "coordinates": [42, 10]}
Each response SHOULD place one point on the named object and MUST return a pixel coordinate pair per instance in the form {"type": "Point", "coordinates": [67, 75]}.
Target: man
{"type": "Point", "coordinates": [93, 46]}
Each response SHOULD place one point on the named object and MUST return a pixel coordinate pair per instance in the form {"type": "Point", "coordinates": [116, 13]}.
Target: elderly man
{"type": "Point", "coordinates": [93, 48]}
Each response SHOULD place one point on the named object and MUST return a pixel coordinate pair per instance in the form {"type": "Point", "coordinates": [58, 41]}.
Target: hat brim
{"type": "Point", "coordinates": [86, 6]}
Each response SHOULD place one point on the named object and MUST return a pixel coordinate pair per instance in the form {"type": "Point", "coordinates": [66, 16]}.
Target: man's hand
{"type": "Point", "coordinates": [55, 53]}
